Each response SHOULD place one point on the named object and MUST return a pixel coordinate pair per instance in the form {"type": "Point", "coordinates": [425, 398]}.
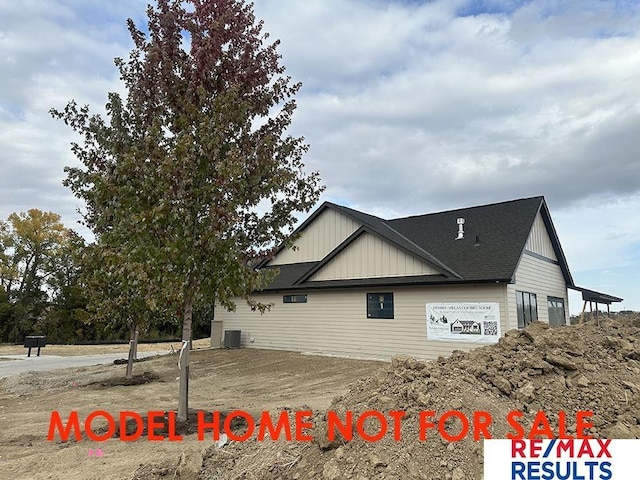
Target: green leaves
{"type": "Point", "coordinates": [192, 175]}
{"type": "Point", "coordinates": [39, 266]}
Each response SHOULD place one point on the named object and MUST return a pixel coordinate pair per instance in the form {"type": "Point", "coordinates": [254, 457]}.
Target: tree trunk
{"type": "Point", "coordinates": [183, 398]}
{"type": "Point", "coordinates": [23, 280]}
{"type": "Point", "coordinates": [132, 350]}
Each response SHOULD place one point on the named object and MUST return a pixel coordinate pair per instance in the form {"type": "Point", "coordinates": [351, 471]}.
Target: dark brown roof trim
{"type": "Point", "coordinates": [555, 241]}
{"type": "Point", "coordinates": [385, 282]}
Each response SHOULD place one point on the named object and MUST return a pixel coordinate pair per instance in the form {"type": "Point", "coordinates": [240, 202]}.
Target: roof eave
{"type": "Point", "coordinates": [598, 297]}
{"type": "Point", "coordinates": [391, 282]}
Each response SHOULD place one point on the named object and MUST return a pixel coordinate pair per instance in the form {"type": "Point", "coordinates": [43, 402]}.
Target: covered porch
{"type": "Point", "coordinates": [591, 296]}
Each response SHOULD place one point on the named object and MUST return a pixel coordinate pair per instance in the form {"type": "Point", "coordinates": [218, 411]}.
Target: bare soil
{"type": "Point", "coordinates": [553, 371]}
{"type": "Point", "coordinates": [590, 367]}
{"type": "Point", "coordinates": [224, 380]}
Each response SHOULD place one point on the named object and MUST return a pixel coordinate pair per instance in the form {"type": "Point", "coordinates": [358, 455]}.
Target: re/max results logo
{"type": "Point", "coordinates": [561, 459]}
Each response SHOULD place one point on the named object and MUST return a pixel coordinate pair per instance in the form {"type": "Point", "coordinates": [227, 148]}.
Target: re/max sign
{"type": "Point", "coordinates": [561, 459]}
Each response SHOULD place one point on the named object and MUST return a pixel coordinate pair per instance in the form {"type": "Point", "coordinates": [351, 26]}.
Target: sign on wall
{"type": "Point", "coordinates": [463, 322]}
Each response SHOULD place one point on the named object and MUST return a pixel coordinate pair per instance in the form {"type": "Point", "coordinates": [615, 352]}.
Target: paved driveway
{"type": "Point", "coordinates": [14, 364]}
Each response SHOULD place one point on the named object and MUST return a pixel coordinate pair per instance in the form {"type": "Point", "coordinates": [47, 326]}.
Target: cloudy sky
{"type": "Point", "coordinates": [409, 106]}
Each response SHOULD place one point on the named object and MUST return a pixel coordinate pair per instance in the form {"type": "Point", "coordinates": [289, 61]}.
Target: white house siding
{"type": "Point", "coordinates": [369, 257]}
{"type": "Point", "coordinates": [325, 233]}
{"type": "Point", "coordinates": [336, 323]}
{"type": "Point", "coordinates": [539, 241]}
{"type": "Point", "coordinates": [541, 277]}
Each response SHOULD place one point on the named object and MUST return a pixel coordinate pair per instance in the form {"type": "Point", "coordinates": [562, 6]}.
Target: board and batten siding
{"type": "Point", "coordinates": [370, 257]}
{"type": "Point", "coordinates": [335, 322]}
{"type": "Point", "coordinates": [539, 241]}
{"type": "Point", "coordinates": [320, 237]}
{"type": "Point", "coordinates": [542, 277]}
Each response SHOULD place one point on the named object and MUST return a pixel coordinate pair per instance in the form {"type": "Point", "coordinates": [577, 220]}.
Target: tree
{"type": "Point", "coordinates": [30, 243]}
{"type": "Point", "coordinates": [66, 264]}
{"type": "Point", "coordinates": [29, 240]}
{"type": "Point", "coordinates": [194, 175]}
{"type": "Point", "coordinates": [9, 272]}
{"type": "Point", "coordinates": [117, 294]}
{"type": "Point", "coordinates": [67, 319]}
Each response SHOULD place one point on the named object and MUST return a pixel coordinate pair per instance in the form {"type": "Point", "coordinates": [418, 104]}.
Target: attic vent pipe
{"type": "Point", "coordinates": [460, 222]}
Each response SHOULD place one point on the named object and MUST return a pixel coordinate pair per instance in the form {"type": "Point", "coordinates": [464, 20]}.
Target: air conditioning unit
{"type": "Point", "coordinates": [232, 338]}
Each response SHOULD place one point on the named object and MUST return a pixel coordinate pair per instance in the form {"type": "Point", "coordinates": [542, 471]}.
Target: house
{"type": "Point", "coordinates": [354, 284]}
{"type": "Point", "coordinates": [466, 326]}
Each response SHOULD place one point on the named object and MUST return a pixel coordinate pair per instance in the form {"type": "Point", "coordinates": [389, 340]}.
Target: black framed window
{"type": "Point", "coordinates": [379, 305]}
{"type": "Point", "coordinates": [527, 306]}
{"type": "Point", "coordinates": [294, 299]}
{"type": "Point", "coordinates": [556, 311]}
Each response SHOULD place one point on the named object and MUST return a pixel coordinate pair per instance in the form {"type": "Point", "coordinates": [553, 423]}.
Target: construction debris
{"type": "Point", "coordinates": [558, 371]}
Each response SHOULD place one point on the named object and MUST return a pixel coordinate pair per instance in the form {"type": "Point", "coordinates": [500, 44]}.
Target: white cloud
{"type": "Point", "coordinates": [490, 112]}
{"type": "Point", "coordinates": [600, 234]}
{"type": "Point", "coordinates": [408, 106]}
{"type": "Point", "coordinates": [50, 53]}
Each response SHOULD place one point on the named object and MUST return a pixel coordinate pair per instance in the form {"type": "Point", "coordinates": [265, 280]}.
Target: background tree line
{"type": "Point", "coordinates": [49, 285]}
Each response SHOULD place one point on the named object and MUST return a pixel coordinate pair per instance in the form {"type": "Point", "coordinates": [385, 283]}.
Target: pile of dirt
{"type": "Point", "coordinates": [30, 383]}
{"type": "Point", "coordinates": [124, 361]}
{"type": "Point", "coordinates": [185, 467]}
{"type": "Point", "coordinates": [566, 369]}
{"type": "Point", "coordinates": [119, 381]}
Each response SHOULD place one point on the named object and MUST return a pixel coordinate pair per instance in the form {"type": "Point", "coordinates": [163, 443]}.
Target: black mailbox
{"type": "Point", "coordinates": [35, 341]}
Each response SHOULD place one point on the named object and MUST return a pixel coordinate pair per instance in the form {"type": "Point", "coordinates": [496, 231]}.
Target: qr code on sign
{"type": "Point", "coordinates": [490, 328]}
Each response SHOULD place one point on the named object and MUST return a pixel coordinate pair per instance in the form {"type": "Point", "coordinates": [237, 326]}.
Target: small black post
{"type": "Point", "coordinates": [29, 354]}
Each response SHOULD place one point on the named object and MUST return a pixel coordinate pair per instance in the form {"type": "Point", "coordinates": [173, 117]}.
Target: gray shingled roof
{"type": "Point", "coordinates": [501, 229]}
{"type": "Point", "coordinates": [289, 274]}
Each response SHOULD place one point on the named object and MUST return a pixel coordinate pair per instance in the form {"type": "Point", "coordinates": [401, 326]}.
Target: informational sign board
{"type": "Point", "coordinates": [561, 458]}
{"type": "Point", "coordinates": [463, 322]}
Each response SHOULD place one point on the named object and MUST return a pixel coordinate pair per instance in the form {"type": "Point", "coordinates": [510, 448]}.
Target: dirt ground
{"type": "Point", "coordinates": [224, 380]}
{"type": "Point", "coordinates": [538, 370]}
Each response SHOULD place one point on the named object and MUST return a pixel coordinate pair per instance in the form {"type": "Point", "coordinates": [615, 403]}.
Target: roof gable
{"type": "Point", "coordinates": [555, 242]}
{"type": "Point", "coordinates": [383, 229]}
{"type": "Point", "coordinates": [539, 242]}
{"type": "Point", "coordinates": [327, 228]}
{"type": "Point", "coordinates": [494, 240]}
{"type": "Point", "coordinates": [367, 255]}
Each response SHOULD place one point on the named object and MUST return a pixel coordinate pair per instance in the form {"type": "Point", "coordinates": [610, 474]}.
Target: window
{"type": "Point", "coordinates": [556, 311]}
{"type": "Point", "coordinates": [294, 299]}
{"type": "Point", "coordinates": [379, 305]}
{"type": "Point", "coordinates": [527, 308]}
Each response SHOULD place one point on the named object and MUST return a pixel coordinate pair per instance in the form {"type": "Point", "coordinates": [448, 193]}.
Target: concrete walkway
{"type": "Point", "coordinates": [14, 364]}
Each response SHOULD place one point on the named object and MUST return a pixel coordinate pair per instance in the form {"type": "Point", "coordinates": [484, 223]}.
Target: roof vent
{"type": "Point", "coordinates": [460, 222]}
